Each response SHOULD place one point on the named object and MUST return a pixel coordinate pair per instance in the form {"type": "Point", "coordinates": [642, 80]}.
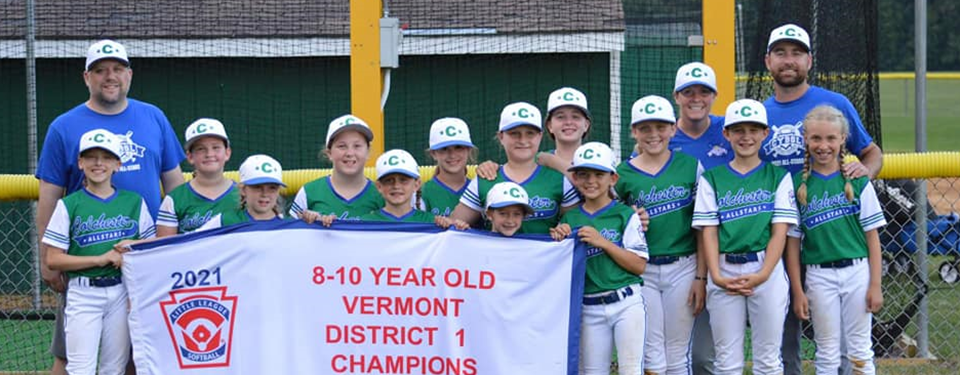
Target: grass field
{"type": "Point", "coordinates": [897, 115]}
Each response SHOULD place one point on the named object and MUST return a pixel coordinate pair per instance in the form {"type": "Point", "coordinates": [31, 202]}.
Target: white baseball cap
{"type": "Point", "coordinates": [449, 131]}
{"type": "Point", "coordinates": [695, 73]}
{"type": "Point", "coordinates": [348, 122]}
{"type": "Point", "coordinates": [789, 32]}
{"type": "Point", "coordinates": [106, 49]}
{"type": "Point", "coordinates": [100, 138]}
{"type": "Point", "coordinates": [261, 169]}
{"type": "Point", "coordinates": [507, 193]}
{"type": "Point", "coordinates": [397, 161]}
{"type": "Point", "coordinates": [205, 127]}
{"type": "Point", "coordinates": [567, 96]}
{"type": "Point", "coordinates": [652, 108]}
{"type": "Point", "coordinates": [594, 155]}
{"type": "Point", "coordinates": [519, 114]}
{"type": "Point", "coordinates": [745, 111]}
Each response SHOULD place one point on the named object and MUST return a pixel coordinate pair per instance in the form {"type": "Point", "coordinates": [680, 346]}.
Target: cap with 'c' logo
{"type": "Point", "coordinates": [202, 128]}
{"type": "Point", "coordinates": [745, 111]}
{"type": "Point", "coordinates": [695, 73]}
{"type": "Point", "coordinates": [520, 114]}
{"type": "Point", "coordinates": [652, 108]}
{"type": "Point", "coordinates": [449, 131]}
{"type": "Point", "coordinates": [261, 169]}
{"type": "Point", "coordinates": [348, 122]}
{"type": "Point", "coordinates": [567, 96]}
{"type": "Point", "coordinates": [791, 33]}
{"type": "Point", "coordinates": [106, 49]}
{"type": "Point", "coordinates": [101, 138]}
{"type": "Point", "coordinates": [594, 155]}
{"type": "Point", "coordinates": [507, 193]}
{"type": "Point", "coordinates": [397, 161]}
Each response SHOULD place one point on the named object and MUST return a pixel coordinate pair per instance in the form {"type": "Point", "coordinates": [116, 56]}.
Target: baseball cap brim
{"type": "Point", "coordinates": [526, 207]}
{"type": "Point", "coordinates": [451, 143]}
{"type": "Point", "coordinates": [694, 83]}
{"type": "Point", "coordinates": [586, 112]}
{"type": "Point", "coordinates": [94, 62]}
{"type": "Point", "coordinates": [367, 133]}
{"type": "Point", "coordinates": [652, 118]}
{"type": "Point", "coordinates": [400, 171]}
{"type": "Point", "coordinates": [730, 124]}
{"type": "Point", "coordinates": [520, 123]}
{"type": "Point", "coordinates": [264, 180]}
{"type": "Point", "coordinates": [112, 152]}
{"type": "Point", "coordinates": [788, 40]}
{"type": "Point", "coordinates": [592, 166]}
{"type": "Point", "coordinates": [186, 146]}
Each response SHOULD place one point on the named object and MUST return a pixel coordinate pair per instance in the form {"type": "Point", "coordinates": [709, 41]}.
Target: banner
{"type": "Point", "coordinates": [292, 298]}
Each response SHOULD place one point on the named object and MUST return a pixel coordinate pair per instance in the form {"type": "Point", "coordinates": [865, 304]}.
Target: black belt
{"type": "Point", "coordinates": [839, 264]}
{"type": "Point", "coordinates": [741, 258]}
{"type": "Point", "coordinates": [101, 282]}
{"type": "Point", "coordinates": [665, 259]}
{"type": "Point", "coordinates": [611, 297]}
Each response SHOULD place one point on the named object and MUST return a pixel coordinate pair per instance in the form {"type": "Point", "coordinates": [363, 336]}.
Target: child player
{"type": "Point", "coordinates": [191, 205]}
{"type": "Point", "coordinates": [507, 206]}
{"type": "Point", "coordinates": [261, 179]}
{"type": "Point", "coordinates": [839, 219]}
{"type": "Point", "coordinates": [744, 209]}
{"type": "Point", "coordinates": [398, 181]}
{"type": "Point", "coordinates": [84, 227]}
{"type": "Point", "coordinates": [451, 148]}
{"type": "Point", "coordinates": [614, 313]}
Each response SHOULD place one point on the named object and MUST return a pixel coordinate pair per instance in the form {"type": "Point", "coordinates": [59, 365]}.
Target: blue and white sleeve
{"type": "Point", "coordinates": [633, 238]}
{"type": "Point", "coordinates": [785, 204]}
{"type": "Point", "coordinates": [705, 210]}
{"type": "Point", "coordinates": [570, 195]}
{"type": "Point", "coordinates": [299, 203]}
{"type": "Point", "coordinates": [871, 213]}
{"type": "Point", "coordinates": [58, 229]}
{"type": "Point", "coordinates": [471, 196]}
{"type": "Point", "coordinates": [147, 228]}
{"type": "Point", "coordinates": [168, 213]}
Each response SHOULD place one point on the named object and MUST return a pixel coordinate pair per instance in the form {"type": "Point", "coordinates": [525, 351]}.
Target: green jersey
{"type": "Point", "coordinates": [832, 227]}
{"type": "Point", "coordinates": [668, 198]}
{"type": "Point", "coordinates": [187, 210]}
{"type": "Point", "coordinates": [744, 205]}
{"type": "Point", "coordinates": [548, 191]}
{"type": "Point", "coordinates": [319, 195]}
{"type": "Point", "coordinates": [440, 199]}
{"type": "Point", "coordinates": [619, 224]}
{"type": "Point", "coordinates": [83, 224]}
{"type": "Point", "coordinates": [414, 216]}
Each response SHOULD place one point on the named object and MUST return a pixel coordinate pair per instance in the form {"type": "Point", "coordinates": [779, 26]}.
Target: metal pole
{"type": "Point", "coordinates": [920, 130]}
{"type": "Point", "coordinates": [31, 71]}
{"type": "Point", "coordinates": [615, 126]}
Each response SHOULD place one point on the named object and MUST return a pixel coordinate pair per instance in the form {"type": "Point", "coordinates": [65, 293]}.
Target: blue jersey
{"type": "Point", "coordinates": [150, 147]}
{"type": "Point", "coordinates": [784, 146]}
{"type": "Point", "coordinates": [710, 148]}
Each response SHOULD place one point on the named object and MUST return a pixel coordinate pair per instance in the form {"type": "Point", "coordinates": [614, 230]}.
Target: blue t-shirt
{"type": "Point", "coordinates": [150, 147]}
{"type": "Point", "coordinates": [710, 148]}
{"type": "Point", "coordinates": [784, 146]}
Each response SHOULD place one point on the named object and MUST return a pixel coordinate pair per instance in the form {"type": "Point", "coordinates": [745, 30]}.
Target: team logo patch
{"type": "Point", "coordinates": [129, 151]}
{"type": "Point", "coordinates": [200, 322]}
{"type": "Point", "coordinates": [786, 140]}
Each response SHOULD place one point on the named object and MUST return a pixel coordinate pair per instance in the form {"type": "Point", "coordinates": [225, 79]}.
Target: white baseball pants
{"type": "Point", "coordinates": [620, 324]}
{"type": "Point", "coordinates": [669, 318]}
{"type": "Point", "coordinates": [766, 309]}
{"type": "Point", "coordinates": [96, 322]}
{"type": "Point", "coordinates": [838, 310]}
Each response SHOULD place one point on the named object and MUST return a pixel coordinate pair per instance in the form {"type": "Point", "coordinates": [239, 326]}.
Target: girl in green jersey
{"type": "Point", "coordinates": [839, 219]}
{"type": "Point", "coordinates": [451, 148]}
{"type": "Point", "coordinates": [507, 205]}
{"type": "Point", "coordinates": [261, 179]}
{"type": "Point", "coordinates": [614, 312]}
{"type": "Point", "coordinates": [191, 205]}
{"type": "Point", "coordinates": [398, 181]}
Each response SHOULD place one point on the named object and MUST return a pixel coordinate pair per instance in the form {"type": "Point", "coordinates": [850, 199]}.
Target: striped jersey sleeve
{"type": "Point", "coordinates": [471, 196]}
{"type": "Point", "coordinates": [299, 203]}
{"type": "Point", "coordinates": [570, 196]}
{"type": "Point", "coordinates": [871, 214]}
{"type": "Point", "coordinates": [168, 213]}
{"type": "Point", "coordinates": [785, 204]}
{"type": "Point", "coordinates": [147, 228]}
{"type": "Point", "coordinates": [58, 229]}
{"type": "Point", "coordinates": [633, 238]}
{"type": "Point", "coordinates": [705, 210]}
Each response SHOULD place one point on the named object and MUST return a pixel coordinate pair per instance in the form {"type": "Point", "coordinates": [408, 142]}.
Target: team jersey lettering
{"type": "Point", "coordinates": [89, 231]}
{"type": "Point", "coordinates": [828, 208]}
{"type": "Point", "coordinates": [659, 202]}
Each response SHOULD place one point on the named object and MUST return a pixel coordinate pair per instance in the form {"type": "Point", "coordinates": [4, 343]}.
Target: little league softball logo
{"type": "Point", "coordinates": [200, 322]}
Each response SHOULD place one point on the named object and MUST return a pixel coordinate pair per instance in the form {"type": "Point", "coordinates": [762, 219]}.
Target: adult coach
{"type": "Point", "coordinates": [788, 59]}
{"type": "Point", "coordinates": [150, 151]}
{"type": "Point", "coordinates": [700, 134]}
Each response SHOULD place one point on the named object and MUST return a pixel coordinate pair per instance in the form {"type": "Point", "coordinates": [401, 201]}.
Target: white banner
{"type": "Point", "coordinates": [292, 298]}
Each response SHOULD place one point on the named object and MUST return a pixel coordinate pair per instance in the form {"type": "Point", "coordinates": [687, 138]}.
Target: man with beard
{"type": "Point", "coordinates": [150, 153]}
{"type": "Point", "coordinates": [788, 59]}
